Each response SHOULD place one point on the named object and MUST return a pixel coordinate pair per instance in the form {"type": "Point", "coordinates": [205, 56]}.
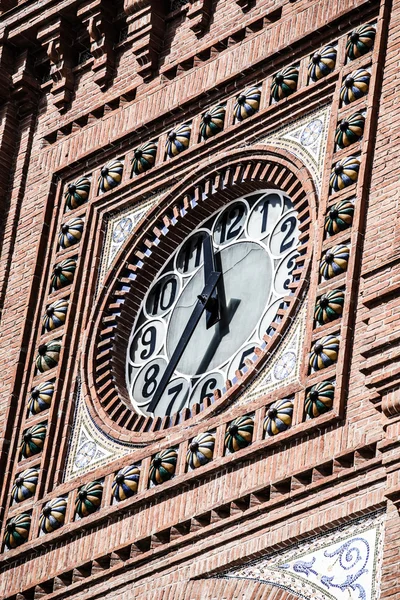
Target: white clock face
{"type": "Point", "coordinates": [212, 303]}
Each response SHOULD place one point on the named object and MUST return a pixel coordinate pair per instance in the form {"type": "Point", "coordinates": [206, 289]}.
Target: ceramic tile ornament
{"type": "Point", "coordinates": [239, 434]}
{"type": "Point", "coordinates": [71, 233]}
{"type": "Point", "coordinates": [329, 307]}
{"type": "Point", "coordinates": [125, 483]}
{"type": "Point", "coordinates": [319, 399]}
{"type": "Point", "coordinates": [55, 315]}
{"type": "Point", "coordinates": [339, 217]}
{"type": "Point", "coordinates": [279, 417]}
{"type": "Point", "coordinates": [33, 440]}
{"type": "Point", "coordinates": [201, 450]}
{"type": "Point", "coordinates": [355, 86]}
{"type": "Point", "coordinates": [48, 356]}
{"type": "Point", "coordinates": [212, 122]}
{"type": "Point", "coordinates": [284, 83]}
{"type": "Point", "coordinates": [247, 103]}
{"type": "Point", "coordinates": [322, 63]}
{"type": "Point", "coordinates": [40, 397]}
{"type": "Point", "coordinates": [344, 173]}
{"type": "Point", "coordinates": [144, 157]}
{"type": "Point", "coordinates": [324, 353]}
{"type": "Point", "coordinates": [17, 530]}
{"type": "Point", "coordinates": [334, 261]}
{"type": "Point", "coordinates": [110, 175]}
{"type": "Point", "coordinates": [25, 485]}
{"type": "Point", "coordinates": [63, 274]}
{"type": "Point", "coordinates": [88, 499]}
{"type": "Point", "coordinates": [53, 515]}
{"type": "Point", "coordinates": [178, 139]}
{"type": "Point", "coordinates": [350, 130]}
{"type": "Point", "coordinates": [77, 193]}
{"type": "Point", "coordinates": [163, 466]}
{"type": "Point", "coordinates": [360, 41]}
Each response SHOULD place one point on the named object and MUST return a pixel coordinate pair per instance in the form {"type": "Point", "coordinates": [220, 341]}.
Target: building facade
{"type": "Point", "coordinates": [199, 281]}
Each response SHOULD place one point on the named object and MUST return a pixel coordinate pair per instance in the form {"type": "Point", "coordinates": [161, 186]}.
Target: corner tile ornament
{"type": "Point", "coordinates": [350, 130]}
{"type": "Point", "coordinates": [71, 233]}
{"type": "Point", "coordinates": [110, 175]}
{"type": "Point", "coordinates": [33, 440]}
{"type": "Point", "coordinates": [17, 530]}
{"type": "Point", "coordinates": [239, 434]}
{"type": "Point", "coordinates": [144, 158]}
{"type": "Point", "coordinates": [247, 103]}
{"type": "Point", "coordinates": [360, 41]}
{"type": "Point", "coordinates": [178, 140]}
{"type": "Point", "coordinates": [163, 466]}
{"type": "Point", "coordinates": [339, 217]}
{"type": "Point", "coordinates": [334, 262]}
{"type": "Point", "coordinates": [322, 63]}
{"type": "Point", "coordinates": [284, 83]}
{"type": "Point", "coordinates": [319, 399]}
{"type": "Point", "coordinates": [41, 397]}
{"type": "Point", "coordinates": [88, 499]}
{"type": "Point", "coordinates": [48, 356]}
{"type": "Point", "coordinates": [324, 353]}
{"type": "Point", "coordinates": [77, 193]}
{"type": "Point", "coordinates": [53, 515]}
{"type": "Point", "coordinates": [63, 274]}
{"type": "Point", "coordinates": [125, 483]}
{"type": "Point", "coordinates": [212, 122]}
{"type": "Point", "coordinates": [355, 86]}
{"type": "Point", "coordinates": [201, 450]}
{"type": "Point", "coordinates": [279, 417]}
{"type": "Point", "coordinates": [329, 307]}
{"type": "Point", "coordinates": [344, 173]}
{"type": "Point", "coordinates": [25, 485]}
{"type": "Point", "coordinates": [55, 315]}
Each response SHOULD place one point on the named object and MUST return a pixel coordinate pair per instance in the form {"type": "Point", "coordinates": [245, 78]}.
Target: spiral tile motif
{"type": "Point", "coordinates": [334, 261]}
{"type": "Point", "coordinates": [77, 193]}
{"type": "Point", "coordinates": [125, 483]}
{"type": "Point", "coordinates": [48, 356]}
{"type": "Point", "coordinates": [284, 83]}
{"type": "Point", "coordinates": [63, 274]}
{"type": "Point", "coordinates": [324, 353]}
{"type": "Point", "coordinates": [17, 530]}
{"type": "Point", "coordinates": [144, 157]}
{"type": "Point", "coordinates": [329, 307]}
{"type": "Point", "coordinates": [355, 86]}
{"type": "Point", "coordinates": [33, 440]}
{"type": "Point", "coordinates": [344, 173]}
{"type": "Point", "coordinates": [239, 434]}
{"type": "Point", "coordinates": [25, 485]}
{"type": "Point", "coordinates": [201, 450]}
{"type": "Point", "coordinates": [247, 103]}
{"type": "Point", "coordinates": [70, 233]}
{"type": "Point", "coordinates": [178, 140]}
{"type": "Point", "coordinates": [339, 217]}
{"type": "Point", "coordinates": [360, 41]}
{"type": "Point", "coordinates": [88, 499]}
{"type": "Point", "coordinates": [322, 63]}
{"type": "Point", "coordinates": [319, 399]}
{"type": "Point", "coordinates": [55, 315]}
{"type": "Point", "coordinates": [350, 130]}
{"type": "Point", "coordinates": [53, 515]}
{"type": "Point", "coordinates": [279, 417]}
{"type": "Point", "coordinates": [41, 397]}
{"type": "Point", "coordinates": [110, 175]}
{"type": "Point", "coordinates": [163, 466]}
{"type": "Point", "coordinates": [212, 122]}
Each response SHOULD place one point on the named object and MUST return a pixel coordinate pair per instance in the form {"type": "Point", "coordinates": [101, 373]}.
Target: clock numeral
{"type": "Point", "coordinates": [174, 392]}
{"type": "Point", "coordinates": [150, 381]}
{"type": "Point", "coordinates": [246, 353]}
{"type": "Point", "coordinates": [164, 295]}
{"type": "Point", "coordinates": [148, 340]}
{"type": "Point", "coordinates": [191, 254]}
{"type": "Point", "coordinates": [230, 224]}
{"type": "Point", "coordinates": [207, 390]}
{"type": "Point", "coordinates": [288, 225]}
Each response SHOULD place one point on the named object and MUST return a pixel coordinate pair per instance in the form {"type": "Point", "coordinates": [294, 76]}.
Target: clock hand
{"type": "Point", "coordinates": [201, 305]}
{"type": "Point", "coordinates": [213, 313]}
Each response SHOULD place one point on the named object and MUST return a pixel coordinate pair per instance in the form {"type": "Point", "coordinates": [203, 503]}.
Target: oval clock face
{"type": "Point", "coordinates": [212, 303]}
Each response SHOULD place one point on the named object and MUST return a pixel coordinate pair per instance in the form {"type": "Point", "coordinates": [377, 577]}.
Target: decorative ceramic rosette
{"type": "Point", "coordinates": [279, 417]}
{"type": "Point", "coordinates": [110, 175]}
{"type": "Point", "coordinates": [201, 450]}
{"type": "Point", "coordinates": [25, 485]}
{"type": "Point", "coordinates": [71, 233]}
{"type": "Point", "coordinates": [33, 440]}
{"type": "Point", "coordinates": [41, 397]}
{"type": "Point", "coordinates": [319, 399]}
{"type": "Point", "coordinates": [63, 274]}
{"type": "Point", "coordinates": [53, 515]}
{"type": "Point", "coordinates": [163, 466]}
{"type": "Point", "coordinates": [339, 217]}
{"type": "Point", "coordinates": [360, 41]}
{"type": "Point", "coordinates": [239, 434]}
{"type": "Point", "coordinates": [324, 353]}
{"type": "Point", "coordinates": [144, 157]}
{"type": "Point", "coordinates": [88, 499]}
{"type": "Point", "coordinates": [329, 307]}
{"type": "Point", "coordinates": [212, 122]}
{"type": "Point", "coordinates": [334, 261]}
{"type": "Point", "coordinates": [344, 173]}
{"type": "Point", "coordinates": [350, 130]}
{"type": "Point", "coordinates": [178, 139]}
{"type": "Point", "coordinates": [284, 83]}
{"type": "Point", "coordinates": [322, 63]}
{"type": "Point", "coordinates": [247, 103]}
{"type": "Point", "coordinates": [17, 530]}
{"type": "Point", "coordinates": [48, 356]}
{"type": "Point", "coordinates": [125, 483]}
{"type": "Point", "coordinates": [77, 193]}
{"type": "Point", "coordinates": [355, 86]}
{"type": "Point", "coordinates": [55, 315]}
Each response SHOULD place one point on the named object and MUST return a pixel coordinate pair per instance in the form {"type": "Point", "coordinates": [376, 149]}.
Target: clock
{"type": "Point", "coordinates": [212, 303]}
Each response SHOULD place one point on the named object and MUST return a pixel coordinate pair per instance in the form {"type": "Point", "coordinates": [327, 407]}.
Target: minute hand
{"type": "Point", "coordinates": [201, 305]}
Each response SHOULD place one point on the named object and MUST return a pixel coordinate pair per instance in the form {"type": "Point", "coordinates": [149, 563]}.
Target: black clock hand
{"type": "Point", "coordinates": [213, 313]}
{"type": "Point", "coordinates": [201, 305]}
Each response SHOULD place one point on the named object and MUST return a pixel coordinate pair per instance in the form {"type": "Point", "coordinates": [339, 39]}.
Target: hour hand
{"type": "Point", "coordinates": [213, 312]}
